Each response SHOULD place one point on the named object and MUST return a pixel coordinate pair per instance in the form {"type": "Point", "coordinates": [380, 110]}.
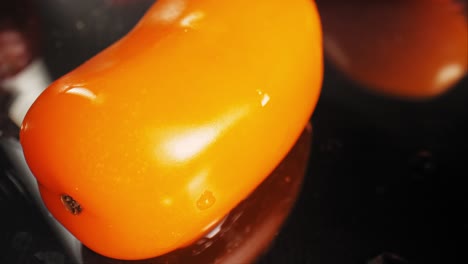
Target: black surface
{"type": "Point", "coordinates": [382, 182]}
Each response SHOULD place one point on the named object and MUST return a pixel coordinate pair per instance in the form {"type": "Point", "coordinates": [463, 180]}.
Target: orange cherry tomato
{"type": "Point", "coordinates": [149, 144]}
{"type": "Point", "coordinates": [407, 49]}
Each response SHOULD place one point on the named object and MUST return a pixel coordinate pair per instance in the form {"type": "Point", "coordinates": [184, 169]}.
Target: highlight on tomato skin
{"type": "Point", "coordinates": [412, 50]}
{"type": "Point", "coordinates": [250, 228]}
{"type": "Point", "coordinates": [149, 144]}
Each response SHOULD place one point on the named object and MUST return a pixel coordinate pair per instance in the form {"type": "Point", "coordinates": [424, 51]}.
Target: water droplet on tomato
{"type": "Point", "coordinates": [206, 200]}
{"type": "Point", "coordinates": [264, 98]}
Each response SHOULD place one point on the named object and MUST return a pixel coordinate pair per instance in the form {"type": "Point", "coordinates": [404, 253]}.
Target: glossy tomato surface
{"type": "Point", "coordinates": [403, 49]}
{"type": "Point", "coordinates": [149, 144]}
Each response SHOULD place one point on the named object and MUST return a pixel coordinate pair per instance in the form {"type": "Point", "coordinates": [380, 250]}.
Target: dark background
{"type": "Point", "coordinates": [386, 177]}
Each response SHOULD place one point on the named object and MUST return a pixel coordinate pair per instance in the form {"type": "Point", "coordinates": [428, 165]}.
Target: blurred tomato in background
{"type": "Point", "coordinates": [406, 49]}
{"type": "Point", "coordinates": [19, 36]}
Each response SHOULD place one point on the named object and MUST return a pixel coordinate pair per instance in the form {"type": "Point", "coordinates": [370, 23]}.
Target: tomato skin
{"type": "Point", "coordinates": [413, 50]}
{"type": "Point", "coordinates": [160, 135]}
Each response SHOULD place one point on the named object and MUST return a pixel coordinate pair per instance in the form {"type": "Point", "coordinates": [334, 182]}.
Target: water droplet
{"type": "Point", "coordinates": [206, 200]}
{"type": "Point", "coordinates": [264, 97]}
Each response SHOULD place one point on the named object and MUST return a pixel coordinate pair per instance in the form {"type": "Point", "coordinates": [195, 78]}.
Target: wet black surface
{"type": "Point", "coordinates": [377, 186]}
{"type": "Point", "coordinates": [386, 178]}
